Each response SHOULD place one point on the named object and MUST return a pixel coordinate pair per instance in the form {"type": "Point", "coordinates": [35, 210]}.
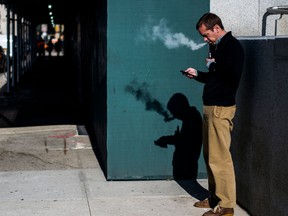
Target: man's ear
{"type": "Point", "coordinates": [217, 28]}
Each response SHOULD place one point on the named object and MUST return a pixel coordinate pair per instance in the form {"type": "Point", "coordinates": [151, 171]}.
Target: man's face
{"type": "Point", "coordinates": [209, 36]}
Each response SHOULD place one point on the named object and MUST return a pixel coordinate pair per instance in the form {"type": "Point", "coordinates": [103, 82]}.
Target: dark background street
{"type": "Point", "coordinates": [45, 95]}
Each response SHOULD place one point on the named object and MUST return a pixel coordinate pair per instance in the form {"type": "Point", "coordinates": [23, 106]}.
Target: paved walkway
{"type": "Point", "coordinates": [52, 170]}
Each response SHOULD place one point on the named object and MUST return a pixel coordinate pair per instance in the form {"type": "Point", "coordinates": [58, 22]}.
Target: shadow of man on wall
{"type": "Point", "coordinates": [187, 139]}
{"type": "Point", "coordinates": [188, 143]}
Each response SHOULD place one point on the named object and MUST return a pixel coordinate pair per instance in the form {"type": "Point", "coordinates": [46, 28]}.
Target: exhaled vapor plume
{"type": "Point", "coordinates": [171, 40]}
{"type": "Point", "coordinates": [141, 93]}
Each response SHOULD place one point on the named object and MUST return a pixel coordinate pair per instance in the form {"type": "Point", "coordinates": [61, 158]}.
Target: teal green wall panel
{"type": "Point", "coordinates": [142, 74]}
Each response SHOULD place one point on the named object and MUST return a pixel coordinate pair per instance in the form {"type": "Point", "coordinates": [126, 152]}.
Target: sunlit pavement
{"type": "Point", "coordinates": [52, 170]}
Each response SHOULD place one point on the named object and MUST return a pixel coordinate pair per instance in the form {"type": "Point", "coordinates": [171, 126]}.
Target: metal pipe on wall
{"type": "Point", "coordinates": [273, 11]}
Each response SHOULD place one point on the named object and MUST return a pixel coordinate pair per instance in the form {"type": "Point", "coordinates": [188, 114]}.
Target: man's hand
{"type": "Point", "coordinates": [209, 61]}
{"type": "Point", "coordinates": [191, 73]}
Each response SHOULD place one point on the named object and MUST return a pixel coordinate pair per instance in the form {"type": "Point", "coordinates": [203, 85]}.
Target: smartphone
{"type": "Point", "coordinates": [183, 72]}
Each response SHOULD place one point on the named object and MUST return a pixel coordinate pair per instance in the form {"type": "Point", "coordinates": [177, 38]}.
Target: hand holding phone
{"type": "Point", "coordinates": [183, 72]}
{"type": "Point", "coordinates": [191, 73]}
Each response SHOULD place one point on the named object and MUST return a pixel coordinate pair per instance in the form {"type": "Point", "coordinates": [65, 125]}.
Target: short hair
{"type": "Point", "coordinates": [209, 20]}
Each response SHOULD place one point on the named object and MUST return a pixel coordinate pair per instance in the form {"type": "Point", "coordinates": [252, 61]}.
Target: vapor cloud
{"type": "Point", "coordinates": [142, 94]}
{"type": "Point", "coordinates": [164, 34]}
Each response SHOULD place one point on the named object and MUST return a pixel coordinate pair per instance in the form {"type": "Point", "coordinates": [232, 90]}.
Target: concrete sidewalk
{"type": "Point", "coordinates": [53, 171]}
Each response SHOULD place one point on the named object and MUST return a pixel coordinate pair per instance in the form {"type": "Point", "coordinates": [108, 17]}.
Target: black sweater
{"type": "Point", "coordinates": [222, 80]}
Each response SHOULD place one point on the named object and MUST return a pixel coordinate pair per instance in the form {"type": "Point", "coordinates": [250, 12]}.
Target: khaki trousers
{"type": "Point", "coordinates": [217, 127]}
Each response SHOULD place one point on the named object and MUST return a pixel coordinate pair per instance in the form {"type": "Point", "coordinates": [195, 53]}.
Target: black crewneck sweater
{"type": "Point", "coordinates": [222, 80]}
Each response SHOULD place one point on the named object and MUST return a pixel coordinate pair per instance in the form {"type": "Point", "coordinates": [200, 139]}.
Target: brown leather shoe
{"type": "Point", "coordinates": [219, 211]}
{"type": "Point", "coordinates": [202, 204]}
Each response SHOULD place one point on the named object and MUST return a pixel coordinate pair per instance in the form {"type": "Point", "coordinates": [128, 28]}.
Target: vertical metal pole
{"type": "Point", "coordinates": [18, 47]}
{"type": "Point", "coordinates": [276, 24]}
{"type": "Point", "coordinates": [264, 20]}
{"type": "Point", "coordinates": [30, 44]}
{"type": "Point", "coordinates": [8, 50]}
{"type": "Point", "coordinates": [24, 44]}
{"type": "Point", "coordinates": [12, 51]}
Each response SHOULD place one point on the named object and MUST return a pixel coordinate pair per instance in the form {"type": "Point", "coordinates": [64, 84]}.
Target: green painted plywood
{"type": "Point", "coordinates": [148, 42]}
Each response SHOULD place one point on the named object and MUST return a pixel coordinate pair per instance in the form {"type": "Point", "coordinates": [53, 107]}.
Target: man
{"type": "Point", "coordinates": [225, 63]}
